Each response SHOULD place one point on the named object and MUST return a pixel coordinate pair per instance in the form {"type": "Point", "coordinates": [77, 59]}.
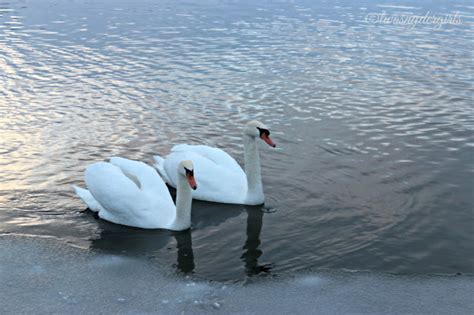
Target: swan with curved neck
{"type": "Point", "coordinates": [132, 193]}
{"type": "Point", "coordinates": [225, 180]}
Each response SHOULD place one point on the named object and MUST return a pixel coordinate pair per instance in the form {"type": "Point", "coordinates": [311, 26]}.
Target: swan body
{"type": "Point", "coordinates": [225, 180]}
{"type": "Point", "coordinates": [132, 193]}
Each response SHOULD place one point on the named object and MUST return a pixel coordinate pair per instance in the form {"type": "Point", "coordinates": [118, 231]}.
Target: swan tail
{"type": "Point", "coordinates": [88, 199]}
{"type": "Point", "coordinates": [160, 166]}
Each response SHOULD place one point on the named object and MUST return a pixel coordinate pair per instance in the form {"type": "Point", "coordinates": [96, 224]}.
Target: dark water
{"type": "Point", "coordinates": [374, 126]}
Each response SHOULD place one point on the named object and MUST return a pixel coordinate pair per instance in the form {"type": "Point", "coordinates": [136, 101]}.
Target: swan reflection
{"type": "Point", "coordinates": [157, 244]}
{"type": "Point", "coordinates": [118, 239]}
{"type": "Point", "coordinates": [184, 244]}
{"type": "Point", "coordinates": [252, 252]}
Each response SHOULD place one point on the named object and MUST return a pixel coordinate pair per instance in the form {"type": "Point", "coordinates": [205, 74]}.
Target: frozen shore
{"type": "Point", "coordinates": [44, 276]}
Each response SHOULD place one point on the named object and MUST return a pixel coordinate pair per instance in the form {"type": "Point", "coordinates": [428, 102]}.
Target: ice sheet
{"type": "Point", "coordinates": [46, 276]}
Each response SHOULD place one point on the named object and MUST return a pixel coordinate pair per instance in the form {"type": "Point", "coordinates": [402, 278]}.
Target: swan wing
{"type": "Point", "coordinates": [88, 199]}
{"type": "Point", "coordinates": [160, 167]}
{"type": "Point", "coordinates": [219, 177]}
{"type": "Point", "coordinates": [143, 175]}
{"type": "Point", "coordinates": [127, 197]}
{"type": "Point", "coordinates": [215, 155]}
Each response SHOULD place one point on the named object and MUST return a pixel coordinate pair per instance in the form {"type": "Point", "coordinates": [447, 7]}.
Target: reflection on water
{"type": "Point", "coordinates": [185, 261]}
{"type": "Point", "coordinates": [252, 253]}
{"type": "Point", "coordinates": [374, 163]}
{"type": "Point", "coordinates": [124, 240]}
{"type": "Point", "coordinates": [137, 242]}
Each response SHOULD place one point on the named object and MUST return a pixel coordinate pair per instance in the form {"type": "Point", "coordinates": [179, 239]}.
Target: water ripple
{"type": "Point", "coordinates": [373, 122]}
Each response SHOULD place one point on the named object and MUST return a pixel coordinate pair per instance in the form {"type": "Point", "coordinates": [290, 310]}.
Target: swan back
{"type": "Point", "coordinates": [131, 193]}
{"type": "Point", "coordinates": [216, 173]}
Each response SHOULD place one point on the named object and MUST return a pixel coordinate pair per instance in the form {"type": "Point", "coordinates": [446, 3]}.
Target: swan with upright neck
{"type": "Point", "coordinates": [132, 193]}
{"type": "Point", "coordinates": [225, 180]}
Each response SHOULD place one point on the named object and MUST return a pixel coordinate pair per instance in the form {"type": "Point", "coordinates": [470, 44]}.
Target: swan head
{"type": "Point", "coordinates": [186, 169]}
{"type": "Point", "coordinates": [256, 129]}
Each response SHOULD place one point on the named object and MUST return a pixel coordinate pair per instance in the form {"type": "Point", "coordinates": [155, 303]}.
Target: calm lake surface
{"type": "Point", "coordinates": [373, 122]}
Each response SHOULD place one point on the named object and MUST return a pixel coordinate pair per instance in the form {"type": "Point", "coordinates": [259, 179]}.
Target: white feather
{"type": "Point", "coordinates": [131, 193]}
{"type": "Point", "coordinates": [219, 176]}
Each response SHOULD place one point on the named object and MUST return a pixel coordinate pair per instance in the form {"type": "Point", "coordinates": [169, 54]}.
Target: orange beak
{"type": "Point", "coordinates": [191, 181]}
{"type": "Point", "coordinates": [268, 140]}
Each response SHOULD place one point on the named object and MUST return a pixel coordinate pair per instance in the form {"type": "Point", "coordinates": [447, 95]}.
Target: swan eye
{"type": "Point", "coordinates": [263, 131]}
{"type": "Point", "coordinates": [189, 172]}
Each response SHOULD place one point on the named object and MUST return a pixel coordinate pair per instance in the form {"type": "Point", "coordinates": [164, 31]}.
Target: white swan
{"type": "Point", "coordinates": [225, 181]}
{"type": "Point", "coordinates": [132, 193]}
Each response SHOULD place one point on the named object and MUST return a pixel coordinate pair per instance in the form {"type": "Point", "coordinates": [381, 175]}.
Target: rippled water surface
{"type": "Point", "coordinates": [373, 122]}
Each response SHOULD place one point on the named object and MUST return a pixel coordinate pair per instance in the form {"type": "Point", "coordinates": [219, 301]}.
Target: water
{"type": "Point", "coordinates": [373, 123]}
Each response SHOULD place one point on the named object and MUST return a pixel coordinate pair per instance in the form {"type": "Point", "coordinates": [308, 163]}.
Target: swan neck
{"type": "Point", "coordinates": [184, 199]}
{"type": "Point", "coordinates": [252, 166]}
